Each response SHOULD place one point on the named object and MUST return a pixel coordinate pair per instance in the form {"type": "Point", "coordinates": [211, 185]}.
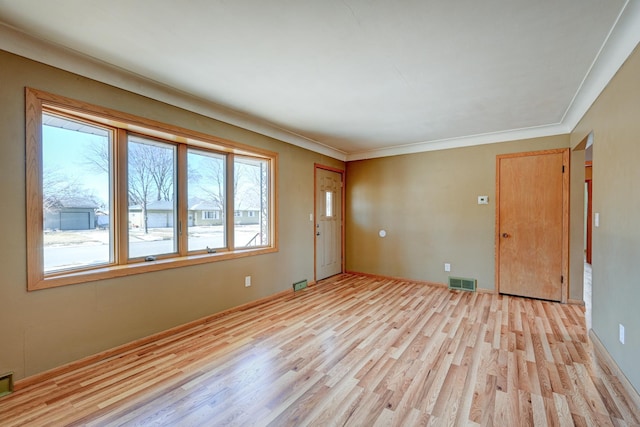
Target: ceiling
{"type": "Point", "coordinates": [353, 78]}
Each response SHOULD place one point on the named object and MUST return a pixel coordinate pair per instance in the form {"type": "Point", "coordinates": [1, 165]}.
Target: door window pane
{"type": "Point", "coordinates": [152, 202]}
{"type": "Point", "coordinates": [328, 203]}
{"type": "Point", "coordinates": [251, 193]}
{"type": "Point", "coordinates": [206, 187]}
{"type": "Point", "coordinates": [75, 194]}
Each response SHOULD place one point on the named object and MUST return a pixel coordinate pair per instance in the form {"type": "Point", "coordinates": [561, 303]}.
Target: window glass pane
{"type": "Point", "coordinates": [328, 204]}
{"type": "Point", "coordinates": [76, 194]}
{"type": "Point", "coordinates": [152, 204]}
{"type": "Point", "coordinates": [206, 187]}
{"type": "Point", "coordinates": [251, 190]}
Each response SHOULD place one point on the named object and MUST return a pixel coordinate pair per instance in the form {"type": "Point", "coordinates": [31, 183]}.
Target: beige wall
{"type": "Point", "coordinates": [43, 329]}
{"type": "Point", "coordinates": [615, 121]}
{"type": "Point", "coordinates": [427, 203]}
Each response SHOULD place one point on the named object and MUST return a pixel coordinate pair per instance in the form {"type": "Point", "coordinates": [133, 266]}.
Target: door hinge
{"type": "Point", "coordinates": [562, 168]}
{"type": "Point", "coordinates": [561, 279]}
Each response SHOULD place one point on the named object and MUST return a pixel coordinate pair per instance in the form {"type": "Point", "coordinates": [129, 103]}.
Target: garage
{"type": "Point", "coordinates": [162, 219]}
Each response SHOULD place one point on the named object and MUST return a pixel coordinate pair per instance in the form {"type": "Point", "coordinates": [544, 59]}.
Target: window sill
{"type": "Point", "coordinates": [77, 277]}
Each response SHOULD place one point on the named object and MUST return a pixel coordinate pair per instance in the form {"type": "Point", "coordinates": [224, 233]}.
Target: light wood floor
{"type": "Point", "coordinates": [352, 350]}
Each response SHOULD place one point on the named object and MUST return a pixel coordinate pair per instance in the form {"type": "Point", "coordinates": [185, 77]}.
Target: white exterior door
{"type": "Point", "coordinates": [328, 223]}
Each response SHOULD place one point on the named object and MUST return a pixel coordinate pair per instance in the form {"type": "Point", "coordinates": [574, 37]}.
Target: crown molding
{"type": "Point", "coordinates": [17, 42]}
{"type": "Point", "coordinates": [617, 47]}
{"type": "Point", "coordinates": [467, 141]}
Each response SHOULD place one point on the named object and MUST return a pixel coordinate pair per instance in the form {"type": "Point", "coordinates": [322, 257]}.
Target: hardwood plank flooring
{"type": "Point", "coordinates": [352, 350]}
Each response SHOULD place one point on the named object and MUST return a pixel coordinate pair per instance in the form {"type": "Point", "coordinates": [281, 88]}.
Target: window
{"type": "Point", "coordinates": [76, 196]}
{"type": "Point", "coordinates": [206, 186]}
{"type": "Point", "coordinates": [328, 204]}
{"type": "Point", "coordinates": [150, 191]}
{"type": "Point", "coordinates": [111, 194]}
{"type": "Point", "coordinates": [251, 183]}
{"type": "Point", "coordinates": [210, 215]}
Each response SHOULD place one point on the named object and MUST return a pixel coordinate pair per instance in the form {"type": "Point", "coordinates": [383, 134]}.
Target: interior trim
{"type": "Point", "coordinates": [612, 368]}
{"type": "Point", "coordinates": [422, 282]}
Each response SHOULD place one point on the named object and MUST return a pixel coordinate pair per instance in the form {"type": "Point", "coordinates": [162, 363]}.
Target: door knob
{"type": "Point", "coordinates": [506, 235]}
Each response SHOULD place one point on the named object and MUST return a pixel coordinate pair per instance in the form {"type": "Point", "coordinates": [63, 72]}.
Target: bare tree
{"type": "Point", "coordinates": [59, 188]}
{"type": "Point", "coordinates": [248, 189]}
{"type": "Point", "coordinates": [161, 168]}
{"type": "Point", "coordinates": [212, 183]}
{"type": "Point", "coordinates": [254, 193]}
{"type": "Point", "coordinates": [97, 157]}
{"type": "Point", "coordinates": [150, 172]}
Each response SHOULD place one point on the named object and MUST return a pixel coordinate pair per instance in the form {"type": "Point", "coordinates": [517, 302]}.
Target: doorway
{"type": "Point", "coordinates": [329, 215]}
{"type": "Point", "coordinates": [588, 188]}
{"type": "Point", "coordinates": [532, 224]}
{"type": "Point", "coordinates": [587, 291]}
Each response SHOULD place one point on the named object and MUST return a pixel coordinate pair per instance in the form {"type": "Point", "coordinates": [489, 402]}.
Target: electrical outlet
{"type": "Point", "coordinates": [247, 281]}
{"type": "Point", "coordinates": [621, 333]}
{"type": "Point", "coordinates": [447, 266]}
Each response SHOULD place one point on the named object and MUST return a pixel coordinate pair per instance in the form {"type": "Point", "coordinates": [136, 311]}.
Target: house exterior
{"type": "Point", "coordinates": [204, 213]}
{"type": "Point", "coordinates": [71, 214]}
{"type": "Point", "coordinates": [246, 216]}
{"type": "Point", "coordinates": [160, 214]}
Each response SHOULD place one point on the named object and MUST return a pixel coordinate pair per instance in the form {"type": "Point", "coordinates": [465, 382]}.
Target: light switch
{"type": "Point", "coordinates": [483, 200]}
{"type": "Point", "coordinates": [596, 219]}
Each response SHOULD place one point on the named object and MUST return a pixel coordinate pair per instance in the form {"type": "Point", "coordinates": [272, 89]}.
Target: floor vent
{"type": "Point", "coordinates": [462, 284]}
{"type": "Point", "coordinates": [299, 285]}
{"type": "Point", "coordinates": [6, 384]}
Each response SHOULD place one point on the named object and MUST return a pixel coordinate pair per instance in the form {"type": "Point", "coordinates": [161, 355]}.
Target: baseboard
{"type": "Point", "coordinates": [575, 301]}
{"type": "Point", "coordinates": [404, 279]}
{"type": "Point", "coordinates": [605, 358]}
{"type": "Point", "coordinates": [422, 282]}
{"type": "Point", "coordinates": [43, 376]}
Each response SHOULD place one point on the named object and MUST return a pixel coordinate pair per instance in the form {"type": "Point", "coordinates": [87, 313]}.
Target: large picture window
{"type": "Point", "coordinates": [111, 194]}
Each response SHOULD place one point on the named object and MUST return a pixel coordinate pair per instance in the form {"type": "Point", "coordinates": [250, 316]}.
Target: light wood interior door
{"type": "Point", "coordinates": [328, 217]}
{"type": "Point", "coordinates": [532, 224]}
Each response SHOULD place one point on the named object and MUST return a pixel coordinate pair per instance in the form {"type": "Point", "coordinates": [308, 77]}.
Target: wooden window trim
{"type": "Point", "coordinates": [35, 100]}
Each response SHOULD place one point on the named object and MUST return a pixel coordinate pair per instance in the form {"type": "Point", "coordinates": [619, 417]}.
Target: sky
{"type": "Point", "coordinates": [66, 152]}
